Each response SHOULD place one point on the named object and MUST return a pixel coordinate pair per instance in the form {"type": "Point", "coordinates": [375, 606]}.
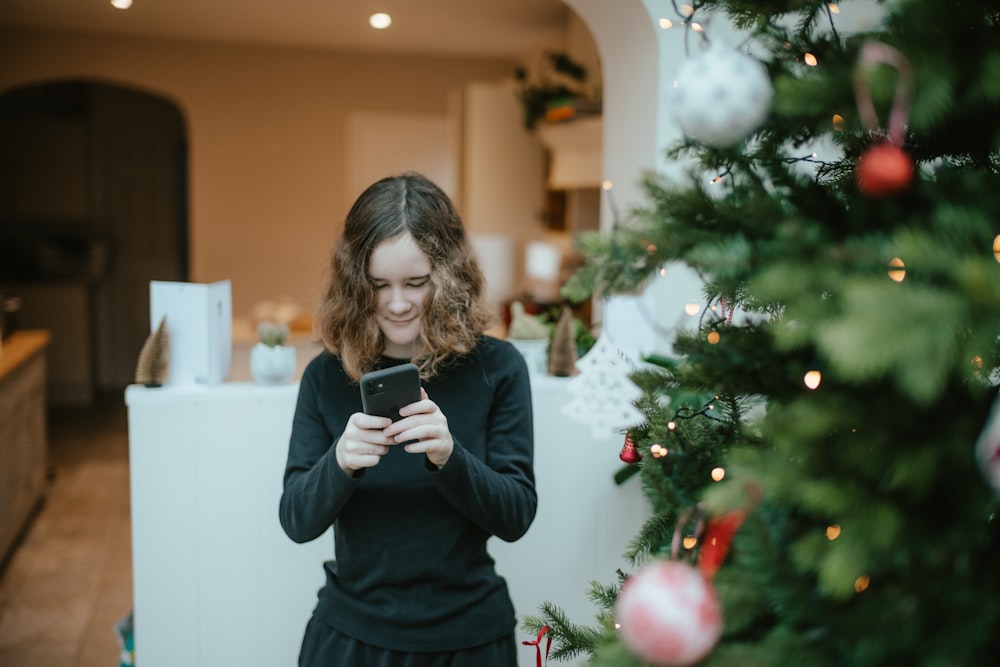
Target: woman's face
{"type": "Point", "coordinates": [400, 274]}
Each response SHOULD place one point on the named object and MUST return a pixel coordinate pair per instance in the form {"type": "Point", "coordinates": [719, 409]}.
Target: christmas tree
{"type": "Point", "coordinates": [820, 449]}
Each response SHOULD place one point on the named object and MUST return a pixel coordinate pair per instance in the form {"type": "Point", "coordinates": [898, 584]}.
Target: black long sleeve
{"type": "Point", "coordinates": [411, 570]}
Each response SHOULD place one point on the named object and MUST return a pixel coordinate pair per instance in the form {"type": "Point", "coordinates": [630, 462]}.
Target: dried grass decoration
{"type": "Point", "coordinates": [562, 350]}
{"type": "Point", "coordinates": [153, 366]}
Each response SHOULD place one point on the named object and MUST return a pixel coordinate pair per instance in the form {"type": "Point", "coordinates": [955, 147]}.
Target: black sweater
{"type": "Point", "coordinates": [411, 570]}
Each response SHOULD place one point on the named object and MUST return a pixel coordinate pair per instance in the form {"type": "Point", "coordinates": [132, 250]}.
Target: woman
{"type": "Point", "coordinates": [412, 502]}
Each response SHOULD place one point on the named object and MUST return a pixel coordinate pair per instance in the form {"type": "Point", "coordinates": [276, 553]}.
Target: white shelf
{"type": "Point", "coordinates": [576, 148]}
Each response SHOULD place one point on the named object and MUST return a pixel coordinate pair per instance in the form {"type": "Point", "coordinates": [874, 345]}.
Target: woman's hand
{"type": "Point", "coordinates": [363, 443]}
{"type": "Point", "coordinates": [423, 422]}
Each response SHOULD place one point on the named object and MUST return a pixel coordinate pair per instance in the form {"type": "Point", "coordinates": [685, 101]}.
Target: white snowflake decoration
{"type": "Point", "coordinates": [603, 393]}
{"type": "Point", "coordinates": [721, 96]}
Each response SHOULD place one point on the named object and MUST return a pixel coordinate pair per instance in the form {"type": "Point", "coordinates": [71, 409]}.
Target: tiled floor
{"type": "Point", "coordinates": [70, 580]}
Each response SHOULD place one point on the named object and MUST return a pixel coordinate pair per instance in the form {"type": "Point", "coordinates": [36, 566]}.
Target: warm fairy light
{"type": "Point", "coordinates": [838, 122]}
{"type": "Point", "coordinates": [832, 6]}
{"type": "Point", "coordinates": [718, 474]}
{"type": "Point", "coordinates": [618, 626]}
{"type": "Point", "coordinates": [607, 184]}
{"type": "Point", "coordinates": [690, 542]}
{"type": "Point", "coordinates": [977, 361]}
{"type": "Point", "coordinates": [692, 309]}
{"type": "Point", "coordinates": [897, 273]}
{"type": "Point", "coordinates": [812, 379]}
{"type": "Point", "coordinates": [663, 271]}
{"type": "Point", "coordinates": [666, 24]}
{"type": "Point", "coordinates": [832, 532]}
{"type": "Point", "coordinates": [996, 247]}
{"type": "Point", "coordinates": [658, 451]}
{"type": "Point", "coordinates": [713, 337]}
{"type": "Point", "coordinates": [810, 60]}
{"type": "Point", "coordinates": [861, 584]}
{"type": "Point", "coordinates": [380, 20]}
{"type": "Point", "coordinates": [696, 26]}
{"type": "Point", "coordinates": [687, 10]}
{"type": "Point", "coordinates": [671, 426]}
{"type": "Point", "coordinates": [651, 249]}
{"type": "Point", "coordinates": [121, 4]}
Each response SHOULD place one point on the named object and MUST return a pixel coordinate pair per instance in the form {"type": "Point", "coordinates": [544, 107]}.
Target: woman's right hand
{"type": "Point", "coordinates": [362, 445]}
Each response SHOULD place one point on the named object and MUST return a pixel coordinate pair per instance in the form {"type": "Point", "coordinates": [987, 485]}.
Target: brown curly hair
{"type": "Point", "coordinates": [453, 315]}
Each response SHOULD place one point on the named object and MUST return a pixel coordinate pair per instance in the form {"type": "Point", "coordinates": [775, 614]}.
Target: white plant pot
{"type": "Point", "coordinates": [535, 352]}
{"type": "Point", "coordinates": [272, 365]}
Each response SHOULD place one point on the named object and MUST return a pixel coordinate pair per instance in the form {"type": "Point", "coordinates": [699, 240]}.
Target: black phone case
{"type": "Point", "coordinates": [385, 391]}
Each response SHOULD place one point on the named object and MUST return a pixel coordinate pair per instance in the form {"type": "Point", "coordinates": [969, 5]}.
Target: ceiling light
{"type": "Point", "coordinates": [380, 21]}
{"type": "Point", "coordinates": [121, 4]}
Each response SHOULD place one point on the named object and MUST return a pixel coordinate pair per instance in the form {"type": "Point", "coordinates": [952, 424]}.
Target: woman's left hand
{"type": "Point", "coordinates": [423, 422]}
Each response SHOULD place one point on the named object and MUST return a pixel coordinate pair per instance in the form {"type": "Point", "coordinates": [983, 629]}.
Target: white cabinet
{"type": "Point", "coordinates": [215, 579]}
{"type": "Point", "coordinates": [217, 582]}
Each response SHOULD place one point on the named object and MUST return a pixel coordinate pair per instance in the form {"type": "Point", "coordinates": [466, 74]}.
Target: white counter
{"type": "Point", "coordinates": [217, 582]}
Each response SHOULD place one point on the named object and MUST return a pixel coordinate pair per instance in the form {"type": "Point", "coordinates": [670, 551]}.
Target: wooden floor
{"type": "Point", "coordinates": [69, 581]}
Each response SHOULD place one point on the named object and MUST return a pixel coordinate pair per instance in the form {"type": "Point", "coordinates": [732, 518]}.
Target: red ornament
{"type": "Point", "coordinates": [669, 614]}
{"type": "Point", "coordinates": [629, 453]}
{"type": "Point", "coordinates": [884, 169]}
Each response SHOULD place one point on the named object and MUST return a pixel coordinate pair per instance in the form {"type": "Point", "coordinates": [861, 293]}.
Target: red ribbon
{"type": "Point", "coordinates": [538, 645]}
{"type": "Point", "coordinates": [715, 543]}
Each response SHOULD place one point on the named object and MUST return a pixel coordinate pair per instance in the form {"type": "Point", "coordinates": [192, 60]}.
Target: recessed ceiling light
{"type": "Point", "coordinates": [121, 4]}
{"type": "Point", "coordinates": [380, 21]}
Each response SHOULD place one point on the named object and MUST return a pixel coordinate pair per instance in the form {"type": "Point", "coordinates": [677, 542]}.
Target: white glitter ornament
{"type": "Point", "coordinates": [988, 448]}
{"type": "Point", "coordinates": [721, 96]}
{"type": "Point", "coordinates": [669, 614]}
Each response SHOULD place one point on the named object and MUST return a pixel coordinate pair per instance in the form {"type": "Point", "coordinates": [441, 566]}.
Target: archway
{"type": "Point", "coordinates": [93, 205]}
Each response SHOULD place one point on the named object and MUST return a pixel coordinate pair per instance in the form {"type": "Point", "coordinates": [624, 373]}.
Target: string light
{"type": "Point", "coordinates": [812, 379]}
{"type": "Point", "coordinates": [832, 532]}
{"type": "Point", "coordinates": [658, 451]}
{"type": "Point", "coordinates": [810, 60]}
{"type": "Point", "coordinates": [121, 4]}
{"type": "Point", "coordinates": [691, 309]}
{"type": "Point", "coordinates": [897, 273]}
{"type": "Point", "coordinates": [832, 6]}
{"type": "Point", "coordinates": [996, 247]}
{"type": "Point", "coordinates": [690, 541]}
{"type": "Point", "coordinates": [696, 27]}
{"type": "Point", "coordinates": [713, 337]}
{"type": "Point", "coordinates": [718, 474]}
{"type": "Point", "coordinates": [838, 122]}
{"type": "Point", "coordinates": [861, 584]}
{"type": "Point", "coordinates": [666, 24]}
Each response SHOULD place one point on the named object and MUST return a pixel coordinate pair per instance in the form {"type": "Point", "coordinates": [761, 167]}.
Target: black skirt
{"type": "Point", "coordinates": [322, 646]}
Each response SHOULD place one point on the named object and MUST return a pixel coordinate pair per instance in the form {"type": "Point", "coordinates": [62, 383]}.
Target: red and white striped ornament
{"type": "Point", "coordinates": [669, 614]}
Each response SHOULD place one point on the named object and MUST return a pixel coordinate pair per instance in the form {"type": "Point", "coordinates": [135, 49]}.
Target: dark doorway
{"type": "Point", "coordinates": [93, 205]}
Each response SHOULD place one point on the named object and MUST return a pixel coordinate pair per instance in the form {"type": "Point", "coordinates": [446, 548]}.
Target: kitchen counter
{"type": "Point", "coordinates": [23, 437]}
{"type": "Point", "coordinates": [19, 348]}
{"type": "Point", "coordinates": [217, 582]}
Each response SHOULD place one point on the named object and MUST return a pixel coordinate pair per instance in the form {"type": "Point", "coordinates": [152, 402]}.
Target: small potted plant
{"type": "Point", "coordinates": [530, 335]}
{"type": "Point", "coordinates": [271, 360]}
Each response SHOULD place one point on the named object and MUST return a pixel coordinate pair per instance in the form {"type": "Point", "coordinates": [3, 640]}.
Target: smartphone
{"type": "Point", "coordinates": [385, 391]}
